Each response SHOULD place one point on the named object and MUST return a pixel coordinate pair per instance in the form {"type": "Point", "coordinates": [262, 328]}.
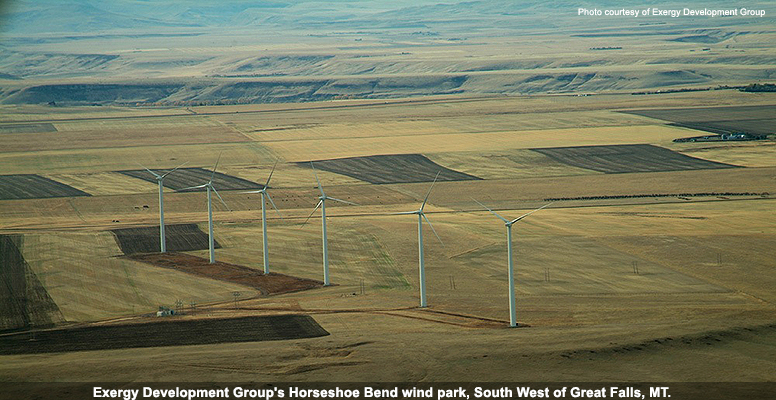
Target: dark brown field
{"type": "Point", "coordinates": [397, 168]}
{"type": "Point", "coordinates": [167, 332]}
{"type": "Point", "coordinates": [618, 159]}
{"type": "Point", "coordinates": [188, 177]}
{"type": "Point", "coordinates": [271, 283]}
{"type": "Point", "coordinates": [29, 186]}
{"type": "Point", "coordinates": [755, 120]}
{"type": "Point", "coordinates": [181, 237]}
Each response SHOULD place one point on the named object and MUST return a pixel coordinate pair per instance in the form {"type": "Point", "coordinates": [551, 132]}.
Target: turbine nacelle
{"type": "Point", "coordinates": [161, 177]}
{"type": "Point", "coordinates": [507, 222]}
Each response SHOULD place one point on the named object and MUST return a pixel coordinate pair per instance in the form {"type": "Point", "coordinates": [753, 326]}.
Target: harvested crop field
{"type": "Point", "coordinates": [756, 120]}
{"type": "Point", "coordinates": [271, 283]}
{"type": "Point", "coordinates": [181, 237]}
{"type": "Point", "coordinates": [170, 332]}
{"type": "Point", "coordinates": [27, 128]}
{"type": "Point", "coordinates": [618, 159]}
{"type": "Point", "coordinates": [24, 302]}
{"type": "Point", "coordinates": [30, 186]}
{"type": "Point", "coordinates": [396, 168]}
{"type": "Point", "coordinates": [188, 177]}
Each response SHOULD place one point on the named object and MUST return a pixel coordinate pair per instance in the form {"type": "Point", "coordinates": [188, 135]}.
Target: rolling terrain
{"type": "Point", "coordinates": [654, 261]}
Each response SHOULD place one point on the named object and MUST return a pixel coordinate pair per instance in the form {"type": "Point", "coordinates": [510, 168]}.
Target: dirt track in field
{"type": "Point", "coordinates": [269, 284]}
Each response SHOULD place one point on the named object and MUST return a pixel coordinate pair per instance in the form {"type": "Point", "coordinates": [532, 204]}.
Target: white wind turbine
{"type": "Point", "coordinates": [508, 223]}
{"type": "Point", "coordinates": [160, 180]}
{"type": "Point", "coordinates": [322, 204]}
{"type": "Point", "coordinates": [421, 264]}
{"type": "Point", "coordinates": [210, 187]}
{"type": "Point", "coordinates": [264, 194]}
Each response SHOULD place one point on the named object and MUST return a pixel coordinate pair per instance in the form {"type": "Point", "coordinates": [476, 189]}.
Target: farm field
{"type": "Point", "coordinates": [400, 168]}
{"type": "Point", "coordinates": [30, 186]}
{"type": "Point", "coordinates": [180, 237]}
{"type": "Point", "coordinates": [619, 159]}
{"type": "Point", "coordinates": [184, 178]}
{"type": "Point", "coordinates": [643, 288]}
{"type": "Point", "coordinates": [271, 283]}
{"type": "Point", "coordinates": [169, 333]}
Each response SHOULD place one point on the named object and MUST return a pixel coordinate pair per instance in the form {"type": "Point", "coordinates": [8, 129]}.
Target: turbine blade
{"type": "Point", "coordinates": [432, 229]}
{"type": "Point", "coordinates": [404, 213]}
{"type": "Point", "coordinates": [152, 172]}
{"type": "Point", "coordinates": [494, 213]}
{"type": "Point", "coordinates": [320, 187]}
{"type": "Point", "coordinates": [220, 198]}
{"type": "Point", "coordinates": [429, 190]}
{"type": "Point", "coordinates": [173, 170]}
{"type": "Point", "coordinates": [216, 166]}
{"type": "Point", "coordinates": [341, 201]}
{"type": "Point", "coordinates": [274, 206]}
{"type": "Point", "coordinates": [311, 214]}
{"type": "Point", "coordinates": [254, 191]}
{"type": "Point", "coordinates": [270, 174]}
{"type": "Point", "coordinates": [529, 213]}
{"type": "Point", "coordinates": [191, 187]}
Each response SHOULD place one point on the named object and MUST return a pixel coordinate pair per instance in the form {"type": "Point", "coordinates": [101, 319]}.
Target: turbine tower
{"type": "Point", "coordinates": [264, 194]}
{"type": "Point", "coordinates": [160, 180]}
{"type": "Point", "coordinates": [508, 223]}
{"type": "Point", "coordinates": [210, 187]}
{"type": "Point", "coordinates": [322, 204]}
{"type": "Point", "coordinates": [421, 263]}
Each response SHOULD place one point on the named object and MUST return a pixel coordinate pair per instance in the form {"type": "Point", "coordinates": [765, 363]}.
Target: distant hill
{"type": "Point", "coordinates": [235, 51]}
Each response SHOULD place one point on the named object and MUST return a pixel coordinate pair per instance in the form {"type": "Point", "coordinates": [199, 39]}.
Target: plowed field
{"type": "Point", "coordinates": [183, 237]}
{"type": "Point", "coordinates": [29, 186]}
{"type": "Point", "coordinates": [617, 159]}
{"type": "Point", "coordinates": [187, 177]}
{"type": "Point", "coordinates": [271, 283]}
{"type": "Point", "coordinates": [168, 332]}
{"type": "Point", "coordinates": [397, 168]}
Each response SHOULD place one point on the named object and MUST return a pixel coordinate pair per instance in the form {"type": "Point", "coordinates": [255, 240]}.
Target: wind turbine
{"type": "Point", "coordinates": [210, 187]}
{"type": "Point", "coordinates": [508, 223]}
{"type": "Point", "coordinates": [421, 264]}
{"type": "Point", "coordinates": [160, 180]}
{"type": "Point", "coordinates": [264, 193]}
{"type": "Point", "coordinates": [322, 204]}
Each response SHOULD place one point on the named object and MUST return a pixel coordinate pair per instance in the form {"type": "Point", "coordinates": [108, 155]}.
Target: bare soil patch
{"type": "Point", "coordinates": [187, 177]}
{"type": "Point", "coordinates": [30, 186]}
{"type": "Point", "coordinates": [395, 168]}
{"type": "Point", "coordinates": [617, 159]}
{"type": "Point", "coordinates": [167, 332]}
{"type": "Point", "coordinates": [181, 237]}
{"type": "Point", "coordinates": [268, 284]}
